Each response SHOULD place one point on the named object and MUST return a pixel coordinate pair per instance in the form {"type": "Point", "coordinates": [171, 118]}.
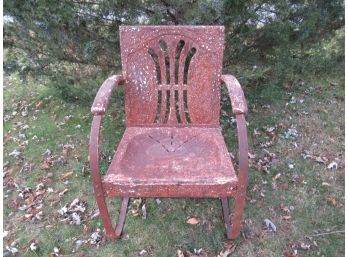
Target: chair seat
{"type": "Point", "coordinates": [171, 162]}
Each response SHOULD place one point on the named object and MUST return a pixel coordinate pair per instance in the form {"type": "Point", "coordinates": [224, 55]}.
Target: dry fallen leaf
{"type": "Point", "coordinates": [65, 153]}
{"type": "Point", "coordinates": [45, 166]}
{"type": "Point", "coordinates": [38, 104]}
{"type": "Point", "coordinates": [193, 221]}
{"type": "Point", "coordinates": [34, 246]}
{"type": "Point", "coordinates": [142, 252]}
{"type": "Point", "coordinates": [225, 253]}
{"type": "Point", "coordinates": [331, 200]}
{"type": "Point", "coordinates": [67, 174]}
{"type": "Point", "coordinates": [180, 253]}
{"type": "Point", "coordinates": [229, 248]}
{"type": "Point", "coordinates": [40, 192]}
{"type": "Point", "coordinates": [63, 192]}
{"type": "Point", "coordinates": [287, 217]}
{"type": "Point", "coordinates": [325, 184]}
{"type": "Point", "coordinates": [305, 246]}
{"type": "Point", "coordinates": [321, 159]}
{"type": "Point", "coordinates": [29, 200]}
{"type": "Point", "coordinates": [276, 177]}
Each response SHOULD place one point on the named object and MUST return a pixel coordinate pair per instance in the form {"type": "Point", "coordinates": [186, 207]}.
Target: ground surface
{"type": "Point", "coordinates": [296, 140]}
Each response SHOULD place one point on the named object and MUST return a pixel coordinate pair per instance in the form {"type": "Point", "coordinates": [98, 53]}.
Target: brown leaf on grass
{"type": "Point", "coordinates": [55, 201]}
{"type": "Point", "coordinates": [38, 104]}
{"type": "Point", "coordinates": [65, 153]}
{"type": "Point", "coordinates": [229, 245]}
{"type": "Point", "coordinates": [229, 248]}
{"type": "Point", "coordinates": [321, 159]}
{"type": "Point", "coordinates": [30, 200]}
{"type": "Point", "coordinates": [61, 193]}
{"type": "Point", "coordinates": [193, 221]}
{"type": "Point", "coordinates": [284, 208]}
{"type": "Point", "coordinates": [331, 200]}
{"type": "Point", "coordinates": [66, 149]}
{"type": "Point", "coordinates": [28, 216]}
{"type": "Point", "coordinates": [40, 192]}
{"type": "Point", "coordinates": [276, 177]}
{"type": "Point", "coordinates": [263, 164]}
{"type": "Point", "coordinates": [286, 217]}
{"type": "Point", "coordinates": [45, 166]}
{"type": "Point", "coordinates": [67, 174]}
{"type": "Point", "coordinates": [73, 213]}
{"type": "Point", "coordinates": [86, 230]}
{"type": "Point", "coordinates": [266, 144]}
{"type": "Point", "coordinates": [260, 204]}
{"type": "Point", "coordinates": [197, 253]}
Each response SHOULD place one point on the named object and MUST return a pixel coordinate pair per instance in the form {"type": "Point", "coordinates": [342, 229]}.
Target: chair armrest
{"type": "Point", "coordinates": [243, 152]}
{"type": "Point", "coordinates": [236, 94]}
{"type": "Point", "coordinates": [101, 100]}
{"type": "Point", "coordinates": [94, 155]}
{"type": "Point", "coordinates": [239, 109]}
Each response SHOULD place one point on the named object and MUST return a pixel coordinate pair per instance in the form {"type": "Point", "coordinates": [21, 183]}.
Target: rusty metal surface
{"type": "Point", "coordinates": [242, 176]}
{"type": "Point", "coordinates": [236, 94]}
{"type": "Point", "coordinates": [233, 225]}
{"type": "Point", "coordinates": [171, 162]}
{"type": "Point", "coordinates": [101, 100]}
{"type": "Point", "coordinates": [97, 183]}
{"type": "Point", "coordinates": [180, 100]}
{"type": "Point", "coordinates": [121, 217]}
{"type": "Point", "coordinates": [226, 215]}
{"type": "Point", "coordinates": [172, 146]}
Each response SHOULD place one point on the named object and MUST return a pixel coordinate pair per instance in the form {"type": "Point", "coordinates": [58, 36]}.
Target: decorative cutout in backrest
{"type": "Point", "coordinates": [180, 102]}
{"type": "Point", "coordinates": [172, 74]}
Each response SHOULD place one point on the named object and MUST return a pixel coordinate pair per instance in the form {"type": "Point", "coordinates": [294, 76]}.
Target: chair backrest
{"type": "Point", "coordinates": [172, 74]}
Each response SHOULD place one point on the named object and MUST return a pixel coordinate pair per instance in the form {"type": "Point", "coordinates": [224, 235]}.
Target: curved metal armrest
{"type": "Point", "coordinates": [94, 155]}
{"type": "Point", "coordinates": [98, 110]}
{"type": "Point", "coordinates": [101, 100]}
{"type": "Point", "coordinates": [243, 151]}
{"type": "Point", "coordinates": [236, 94]}
{"type": "Point", "coordinates": [239, 109]}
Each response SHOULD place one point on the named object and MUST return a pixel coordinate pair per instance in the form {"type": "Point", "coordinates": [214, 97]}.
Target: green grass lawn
{"type": "Point", "coordinates": [294, 134]}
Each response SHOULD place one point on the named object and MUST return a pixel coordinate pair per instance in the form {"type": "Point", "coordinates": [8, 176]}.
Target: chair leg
{"type": "Point", "coordinates": [122, 217]}
{"type": "Point", "coordinates": [110, 232]}
{"type": "Point", "coordinates": [226, 214]}
{"type": "Point", "coordinates": [233, 228]}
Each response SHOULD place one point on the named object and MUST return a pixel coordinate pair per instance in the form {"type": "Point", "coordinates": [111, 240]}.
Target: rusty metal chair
{"type": "Point", "coordinates": [172, 145]}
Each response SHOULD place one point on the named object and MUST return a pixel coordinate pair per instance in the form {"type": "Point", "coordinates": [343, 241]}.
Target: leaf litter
{"type": "Point", "coordinates": [74, 212]}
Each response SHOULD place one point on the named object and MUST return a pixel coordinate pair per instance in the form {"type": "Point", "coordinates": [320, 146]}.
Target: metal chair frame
{"type": "Point", "coordinates": [166, 97]}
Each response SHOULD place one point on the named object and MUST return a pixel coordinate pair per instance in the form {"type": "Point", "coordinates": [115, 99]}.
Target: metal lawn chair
{"type": "Point", "coordinates": [172, 145]}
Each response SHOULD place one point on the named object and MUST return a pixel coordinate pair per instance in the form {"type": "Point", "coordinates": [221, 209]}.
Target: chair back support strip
{"type": "Point", "coordinates": [172, 74]}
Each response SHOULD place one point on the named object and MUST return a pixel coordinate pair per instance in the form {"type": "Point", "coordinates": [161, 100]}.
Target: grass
{"type": "Point", "coordinates": [309, 193]}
